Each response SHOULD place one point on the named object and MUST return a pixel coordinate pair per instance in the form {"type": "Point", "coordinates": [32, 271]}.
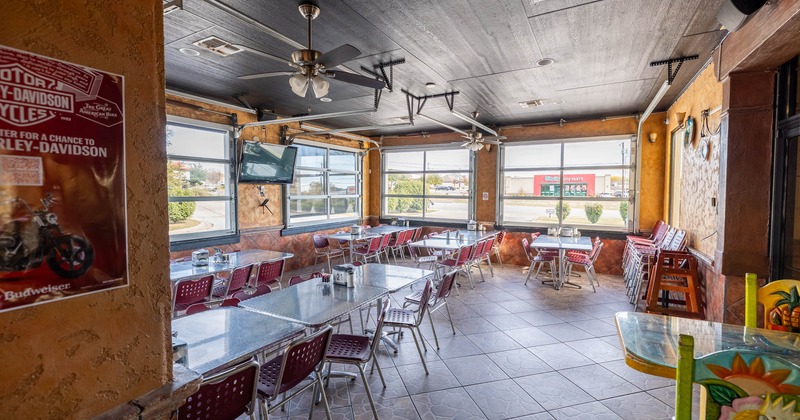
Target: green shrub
{"type": "Point", "coordinates": [623, 210]}
{"type": "Point", "coordinates": [562, 211]}
{"type": "Point", "coordinates": [593, 212]}
{"type": "Point", "coordinates": [180, 211]}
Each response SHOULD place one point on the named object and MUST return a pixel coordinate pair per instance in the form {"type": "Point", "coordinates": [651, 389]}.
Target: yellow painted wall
{"type": "Point", "coordinates": [699, 177]}
{"type": "Point", "coordinates": [79, 357]}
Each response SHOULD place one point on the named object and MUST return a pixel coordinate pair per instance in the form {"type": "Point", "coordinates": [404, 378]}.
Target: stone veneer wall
{"type": "Point", "coordinates": [79, 357]}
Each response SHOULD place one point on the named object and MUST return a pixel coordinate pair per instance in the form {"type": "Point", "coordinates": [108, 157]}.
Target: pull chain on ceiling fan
{"type": "Point", "coordinates": [312, 67]}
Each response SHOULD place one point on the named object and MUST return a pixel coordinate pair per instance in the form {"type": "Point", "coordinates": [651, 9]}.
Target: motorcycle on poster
{"type": "Point", "coordinates": [62, 180]}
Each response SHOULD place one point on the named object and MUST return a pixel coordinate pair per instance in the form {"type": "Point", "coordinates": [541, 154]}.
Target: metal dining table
{"type": "Point", "coordinates": [226, 336]}
{"type": "Point", "coordinates": [390, 277]}
{"type": "Point", "coordinates": [469, 236]}
{"type": "Point", "coordinates": [185, 269]}
{"type": "Point", "coordinates": [563, 244]}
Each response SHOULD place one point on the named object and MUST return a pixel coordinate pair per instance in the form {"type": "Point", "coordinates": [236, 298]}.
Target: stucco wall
{"type": "Point", "coordinates": [80, 357]}
{"type": "Point", "coordinates": [699, 177]}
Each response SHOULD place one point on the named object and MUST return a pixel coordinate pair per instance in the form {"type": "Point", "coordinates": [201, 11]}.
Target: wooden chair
{"type": "Point", "coordinates": [781, 300]}
{"type": "Point", "coordinates": [766, 385]}
{"type": "Point", "coordinates": [674, 287]}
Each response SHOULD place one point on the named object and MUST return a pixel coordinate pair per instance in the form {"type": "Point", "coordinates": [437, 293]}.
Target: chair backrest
{"type": "Point", "coordinates": [374, 244]}
{"type": "Point", "coordinates": [781, 300]}
{"type": "Point", "coordinates": [239, 278]}
{"type": "Point", "coordinates": [535, 235]}
{"type": "Point", "coordinates": [343, 243]}
{"type": "Point", "coordinates": [269, 272]}
{"type": "Point", "coordinates": [320, 242]}
{"type": "Point", "coordinates": [656, 228]}
{"type": "Point", "coordinates": [678, 241]}
{"type": "Point", "coordinates": [204, 306]}
{"type": "Point", "coordinates": [477, 251]}
{"type": "Point", "coordinates": [385, 241]}
{"type": "Point", "coordinates": [596, 251]}
{"type": "Point", "coordinates": [225, 395]}
{"type": "Point", "coordinates": [500, 237]}
{"type": "Point", "coordinates": [244, 294]}
{"type": "Point", "coordinates": [302, 358]}
{"type": "Point", "coordinates": [188, 291]}
{"type": "Point", "coordinates": [464, 254]}
{"type": "Point", "coordinates": [526, 247]}
{"type": "Point", "coordinates": [488, 246]}
{"type": "Point", "coordinates": [595, 246]}
{"type": "Point", "coordinates": [424, 301]}
{"type": "Point", "coordinates": [446, 285]}
{"type": "Point", "coordinates": [734, 374]}
{"type": "Point", "coordinates": [417, 233]}
{"type": "Point", "coordinates": [660, 231]}
{"type": "Point", "coordinates": [667, 239]}
{"type": "Point", "coordinates": [299, 279]}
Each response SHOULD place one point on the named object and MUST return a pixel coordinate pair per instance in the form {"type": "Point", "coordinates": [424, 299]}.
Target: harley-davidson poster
{"type": "Point", "coordinates": [62, 180]}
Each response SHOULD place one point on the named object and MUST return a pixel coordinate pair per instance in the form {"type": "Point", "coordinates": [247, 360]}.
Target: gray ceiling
{"type": "Point", "coordinates": [485, 49]}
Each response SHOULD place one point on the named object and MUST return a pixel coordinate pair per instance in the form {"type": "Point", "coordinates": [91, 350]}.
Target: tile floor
{"type": "Point", "coordinates": [526, 352]}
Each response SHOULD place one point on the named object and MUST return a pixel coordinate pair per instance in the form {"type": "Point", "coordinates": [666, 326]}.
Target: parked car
{"type": "Point", "coordinates": [445, 188]}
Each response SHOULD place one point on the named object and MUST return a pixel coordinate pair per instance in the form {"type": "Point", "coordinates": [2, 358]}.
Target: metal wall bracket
{"type": "Point", "coordinates": [388, 79]}
{"type": "Point", "coordinates": [669, 62]}
{"type": "Point", "coordinates": [421, 100]}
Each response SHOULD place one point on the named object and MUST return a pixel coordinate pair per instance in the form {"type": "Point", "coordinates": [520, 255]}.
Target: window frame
{"type": "Point", "coordinates": [218, 237]}
{"type": "Point", "coordinates": [561, 168]}
{"type": "Point", "coordinates": [326, 172]}
{"type": "Point", "coordinates": [470, 198]}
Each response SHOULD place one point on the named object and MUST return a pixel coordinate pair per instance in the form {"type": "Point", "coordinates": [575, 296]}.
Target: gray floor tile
{"type": "Point", "coordinates": [475, 369]}
{"type": "Point", "coordinates": [493, 341]}
{"type": "Point", "coordinates": [560, 356]}
{"type": "Point", "coordinates": [597, 350]}
{"type": "Point", "coordinates": [552, 391]}
{"type": "Point", "coordinates": [599, 382]}
{"type": "Point", "coordinates": [474, 325]}
{"type": "Point", "coordinates": [394, 408]}
{"type": "Point", "coordinates": [640, 406]}
{"type": "Point", "coordinates": [417, 382]}
{"type": "Point", "coordinates": [530, 336]}
{"type": "Point", "coordinates": [490, 308]}
{"type": "Point", "coordinates": [642, 380]}
{"type": "Point", "coordinates": [506, 322]}
{"type": "Point", "coordinates": [519, 362]}
{"type": "Point", "coordinates": [503, 399]}
{"type": "Point", "coordinates": [447, 404]}
{"type": "Point", "coordinates": [516, 306]}
{"type": "Point", "coordinates": [571, 315]}
{"type": "Point", "coordinates": [588, 411]}
{"type": "Point", "coordinates": [596, 327]}
{"type": "Point", "coordinates": [394, 386]}
{"type": "Point", "coordinates": [457, 346]}
{"type": "Point", "coordinates": [565, 332]}
{"type": "Point", "coordinates": [538, 318]}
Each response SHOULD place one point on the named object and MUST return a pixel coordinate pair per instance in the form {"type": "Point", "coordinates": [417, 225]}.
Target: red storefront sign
{"type": "Point", "coordinates": [576, 185]}
{"type": "Point", "coordinates": [62, 180]}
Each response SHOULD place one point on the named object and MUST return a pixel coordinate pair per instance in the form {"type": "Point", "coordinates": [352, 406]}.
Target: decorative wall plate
{"type": "Point", "coordinates": [688, 132]}
{"type": "Point", "coordinates": [705, 147]}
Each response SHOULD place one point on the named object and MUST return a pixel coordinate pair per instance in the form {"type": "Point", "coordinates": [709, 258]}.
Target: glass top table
{"type": "Point", "coordinates": [452, 245]}
{"type": "Point", "coordinates": [347, 236]}
{"type": "Point", "coordinates": [381, 230]}
{"type": "Point", "coordinates": [313, 303]}
{"type": "Point", "coordinates": [182, 270]}
{"type": "Point", "coordinates": [225, 336]}
{"type": "Point", "coordinates": [650, 342]}
{"type": "Point", "coordinates": [563, 244]}
{"type": "Point", "coordinates": [390, 277]}
{"type": "Point", "coordinates": [470, 236]}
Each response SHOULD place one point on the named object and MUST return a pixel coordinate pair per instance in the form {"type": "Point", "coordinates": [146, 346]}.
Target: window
{"type": "Point", "coordinates": [577, 182]}
{"type": "Point", "coordinates": [200, 182]}
{"type": "Point", "coordinates": [327, 185]}
{"type": "Point", "coordinates": [431, 184]}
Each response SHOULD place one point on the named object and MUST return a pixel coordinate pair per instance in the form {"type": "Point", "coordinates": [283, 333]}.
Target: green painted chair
{"type": "Point", "coordinates": [781, 300]}
{"type": "Point", "coordinates": [738, 384]}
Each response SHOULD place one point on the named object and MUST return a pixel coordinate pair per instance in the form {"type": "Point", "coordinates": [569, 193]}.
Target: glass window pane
{"type": "Point", "coordinates": [407, 207]}
{"type": "Point", "coordinates": [342, 184]}
{"type": "Point", "coordinates": [448, 184]}
{"type": "Point", "coordinates": [308, 183]}
{"type": "Point", "coordinates": [532, 156]}
{"type": "Point", "coordinates": [310, 157]}
{"type": "Point", "coordinates": [447, 160]}
{"type": "Point", "coordinates": [409, 184]}
{"type": "Point", "coordinates": [530, 212]}
{"type": "Point", "coordinates": [596, 213]}
{"type": "Point", "coordinates": [606, 183]}
{"type": "Point", "coordinates": [343, 161]}
{"type": "Point", "coordinates": [341, 207]}
{"type": "Point", "coordinates": [403, 161]}
{"type": "Point", "coordinates": [447, 208]}
{"type": "Point", "coordinates": [598, 153]}
{"type": "Point", "coordinates": [308, 210]}
{"type": "Point", "coordinates": [199, 217]}
{"type": "Point", "coordinates": [532, 184]}
{"type": "Point", "coordinates": [196, 179]}
{"type": "Point", "coordinates": [197, 142]}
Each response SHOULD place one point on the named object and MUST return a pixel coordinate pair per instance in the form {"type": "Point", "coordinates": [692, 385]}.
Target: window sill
{"type": "Point", "coordinates": [604, 234]}
{"type": "Point", "coordinates": [297, 230]}
{"type": "Point", "coordinates": [203, 242]}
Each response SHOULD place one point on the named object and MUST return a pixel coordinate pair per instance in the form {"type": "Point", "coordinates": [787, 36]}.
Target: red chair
{"type": "Point", "coordinates": [285, 372]}
{"type": "Point", "coordinates": [537, 260]}
{"type": "Point", "coordinates": [344, 244]}
{"type": "Point", "coordinates": [204, 306]}
{"type": "Point", "coordinates": [587, 262]}
{"type": "Point", "coordinates": [420, 259]}
{"type": "Point", "coordinates": [225, 395]}
{"type": "Point", "coordinates": [239, 279]}
{"type": "Point", "coordinates": [370, 250]}
{"type": "Point", "coordinates": [459, 262]}
{"type": "Point", "coordinates": [384, 247]}
{"type": "Point", "coordinates": [357, 263]}
{"type": "Point", "coordinates": [323, 250]}
{"type": "Point", "coordinates": [191, 291]}
{"type": "Point", "coordinates": [249, 293]}
{"type": "Point", "coordinates": [397, 243]}
{"type": "Point", "coordinates": [299, 278]}
{"type": "Point", "coordinates": [270, 273]}
{"type": "Point", "coordinates": [501, 236]}
{"type": "Point", "coordinates": [406, 318]}
{"type": "Point", "coordinates": [436, 302]}
{"type": "Point", "coordinates": [358, 350]}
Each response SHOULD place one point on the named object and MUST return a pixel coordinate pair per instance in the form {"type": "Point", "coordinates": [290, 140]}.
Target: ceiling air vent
{"type": "Point", "coordinates": [531, 104]}
{"type": "Point", "coordinates": [216, 45]}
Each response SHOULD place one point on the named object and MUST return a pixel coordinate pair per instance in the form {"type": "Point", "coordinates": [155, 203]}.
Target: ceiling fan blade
{"type": "Point", "coordinates": [491, 142]}
{"type": "Point", "coordinates": [465, 144]}
{"type": "Point", "coordinates": [264, 75]}
{"type": "Point", "coordinates": [355, 79]}
{"type": "Point", "coordinates": [338, 56]}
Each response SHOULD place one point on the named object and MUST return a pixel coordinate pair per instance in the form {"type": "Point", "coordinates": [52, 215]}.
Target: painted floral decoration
{"type": "Point", "coordinates": [753, 379]}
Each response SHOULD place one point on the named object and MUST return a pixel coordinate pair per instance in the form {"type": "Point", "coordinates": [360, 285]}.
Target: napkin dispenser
{"type": "Point", "coordinates": [200, 257]}
{"type": "Point", "coordinates": [343, 275]}
{"type": "Point", "coordinates": [472, 225]}
{"type": "Point", "coordinates": [554, 231]}
{"type": "Point", "coordinates": [356, 230]}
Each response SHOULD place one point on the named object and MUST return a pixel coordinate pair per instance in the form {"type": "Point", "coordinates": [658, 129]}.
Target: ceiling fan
{"type": "Point", "coordinates": [475, 140]}
{"type": "Point", "coordinates": [313, 67]}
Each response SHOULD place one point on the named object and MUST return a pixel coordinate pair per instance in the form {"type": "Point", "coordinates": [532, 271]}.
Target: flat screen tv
{"type": "Point", "coordinates": [265, 163]}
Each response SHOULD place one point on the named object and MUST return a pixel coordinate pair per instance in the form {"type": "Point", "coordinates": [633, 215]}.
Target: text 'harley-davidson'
{"type": "Point", "coordinates": [27, 236]}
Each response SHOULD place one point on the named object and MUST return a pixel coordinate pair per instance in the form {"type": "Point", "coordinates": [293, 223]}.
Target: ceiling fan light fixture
{"type": "Point", "coordinates": [325, 99]}
{"type": "Point", "coordinates": [320, 86]}
{"type": "Point", "coordinates": [299, 84]}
